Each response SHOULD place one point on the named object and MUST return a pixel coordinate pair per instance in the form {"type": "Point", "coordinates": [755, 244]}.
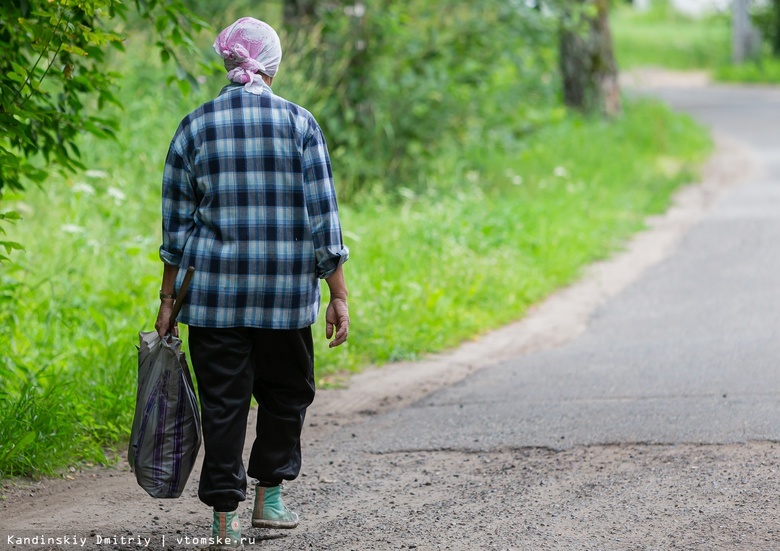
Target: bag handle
{"type": "Point", "coordinates": [182, 294]}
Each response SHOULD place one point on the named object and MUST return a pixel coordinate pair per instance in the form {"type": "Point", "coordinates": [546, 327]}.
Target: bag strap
{"type": "Point", "coordinates": [182, 294]}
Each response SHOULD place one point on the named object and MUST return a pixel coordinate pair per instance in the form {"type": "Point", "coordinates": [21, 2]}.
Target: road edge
{"type": "Point", "coordinates": [557, 320]}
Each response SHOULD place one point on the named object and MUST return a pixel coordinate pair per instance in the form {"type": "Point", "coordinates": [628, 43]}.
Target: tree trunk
{"type": "Point", "coordinates": [299, 14]}
{"type": "Point", "coordinates": [587, 60]}
{"type": "Point", "coordinates": [776, 28]}
{"type": "Point", "coordinates": [740, 31]}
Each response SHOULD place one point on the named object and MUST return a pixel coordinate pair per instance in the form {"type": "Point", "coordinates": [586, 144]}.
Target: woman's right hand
{"type": "Point", "coordinates": [165, 324]}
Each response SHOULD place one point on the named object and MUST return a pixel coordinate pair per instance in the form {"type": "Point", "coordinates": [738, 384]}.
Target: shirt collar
{"type": "Point", "coordinates": [235, 85]}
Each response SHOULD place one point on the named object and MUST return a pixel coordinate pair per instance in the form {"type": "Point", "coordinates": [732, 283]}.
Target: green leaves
{"type": "Point", "coordinates": [395, 83]}
{"type": "Point", "coordinates": [53, 76]}
{"type": "Point", "coordinates": [10, 216]}
{"type": "Point", "coordinates": [42, 107]}
{"type": "Point", "coordinates": [17, 77]}
{"type": "Point", "coordinates": [54, 82]}
{"type": "Point", "coordinates": [10, 246]}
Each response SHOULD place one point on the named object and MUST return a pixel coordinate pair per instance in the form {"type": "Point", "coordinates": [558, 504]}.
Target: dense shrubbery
{"type": "Point", "coordinates": [55, 80]}
{"type": "Point", "coordinates": [403, 81]}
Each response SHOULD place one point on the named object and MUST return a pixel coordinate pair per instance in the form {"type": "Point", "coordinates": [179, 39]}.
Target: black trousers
{"type": "Point", "coordinates": [232, 365]}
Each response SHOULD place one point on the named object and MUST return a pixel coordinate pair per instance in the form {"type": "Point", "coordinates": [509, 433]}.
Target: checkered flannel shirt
{"type": "Point", "coordinates": [248, 200]}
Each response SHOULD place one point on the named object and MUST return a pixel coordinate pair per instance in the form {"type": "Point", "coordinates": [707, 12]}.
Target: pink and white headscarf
{"type": "Point", "coordinates": [249, 47]}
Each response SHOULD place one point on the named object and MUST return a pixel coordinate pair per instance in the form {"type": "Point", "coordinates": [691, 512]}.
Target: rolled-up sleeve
{"type": "Point", "coordinates": [178, 207]}
{"type": "Point", "coordinates": [329, 249]}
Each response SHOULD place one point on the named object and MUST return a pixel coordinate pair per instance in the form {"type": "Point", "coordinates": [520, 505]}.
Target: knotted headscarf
{"type": "Point", "coordinates": [249, 47]}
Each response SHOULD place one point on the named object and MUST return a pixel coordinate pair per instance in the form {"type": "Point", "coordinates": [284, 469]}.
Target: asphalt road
{"type": "Point", "coordinates": [689, 353]}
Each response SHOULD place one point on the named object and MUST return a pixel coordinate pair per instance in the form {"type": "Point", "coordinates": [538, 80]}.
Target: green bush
{"type": "Point", "coordinates": [404, 81]}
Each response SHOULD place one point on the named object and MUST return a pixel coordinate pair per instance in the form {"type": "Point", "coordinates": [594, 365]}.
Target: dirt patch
{"type": "Point", "coordinates": [611, 497]}
{"type": "Point", "coordinates": [657, 77]}
{"type": "Point", "coordinates": [648, 497]}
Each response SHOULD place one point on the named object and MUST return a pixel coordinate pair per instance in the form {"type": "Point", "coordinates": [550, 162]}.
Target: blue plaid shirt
{"type": "Point", "coordinates": [248, 200]}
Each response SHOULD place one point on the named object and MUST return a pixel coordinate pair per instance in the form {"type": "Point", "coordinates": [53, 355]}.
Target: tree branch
{"type": "Point", "coordinates": [27, 80]}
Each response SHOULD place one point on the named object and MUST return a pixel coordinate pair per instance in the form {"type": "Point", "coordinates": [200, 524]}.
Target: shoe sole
{"type": "Point", "coordinates": [260, 523]}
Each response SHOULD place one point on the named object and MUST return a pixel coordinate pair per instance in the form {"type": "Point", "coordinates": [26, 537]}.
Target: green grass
{"type": "Point", "coordinates": [443, 269]}
{"type": "Point", "coordinates": [425, 274]}
{"type": "Point", "coordinates": [765, 70]}
{"type": "Point", "coordinates": [665, 38]}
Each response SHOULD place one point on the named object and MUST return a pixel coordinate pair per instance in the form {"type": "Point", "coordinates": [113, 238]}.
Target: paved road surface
{"type": "Point", "coordinates": [654, 429]}
{"type": "Point", "coordinates": [688, 354]}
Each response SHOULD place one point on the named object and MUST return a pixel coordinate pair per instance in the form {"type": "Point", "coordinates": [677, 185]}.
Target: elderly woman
{"type": "Point", "coordinates": [249, 201]}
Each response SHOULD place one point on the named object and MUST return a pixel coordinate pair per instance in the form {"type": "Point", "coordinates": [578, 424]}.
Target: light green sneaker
{"type": "Point", "coordinates": [269, 511]}
{"type": "Point", "coordinates": [226, 532]}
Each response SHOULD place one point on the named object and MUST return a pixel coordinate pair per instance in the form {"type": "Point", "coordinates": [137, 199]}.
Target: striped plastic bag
{"type": "Point", "coordinates": [166, 434]}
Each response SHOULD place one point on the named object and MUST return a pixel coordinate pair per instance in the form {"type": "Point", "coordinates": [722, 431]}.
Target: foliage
{"type": "Point", "coordinates": [221, 13]}
{"type": "Point", "coordinates": [9, 246]}
{"type": "Point", "coordinates": [404, 80]}
{"type": "Point", "coordinates": [764, 70]}
{"type": "Point", "coordinates": [663, 37]}
{"type": "Point", "coordinates": [55, 82]}
{"type": "Point", "coordinates": [766, 18]}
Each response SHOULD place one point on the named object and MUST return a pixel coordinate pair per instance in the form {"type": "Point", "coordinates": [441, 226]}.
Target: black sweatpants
{"type": "Point", "coordinates": [232, 365]}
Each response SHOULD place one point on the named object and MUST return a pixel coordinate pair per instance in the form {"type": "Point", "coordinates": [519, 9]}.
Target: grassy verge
{"type": "Point", "coordinates": [425, 274]}
{"type": "Point", "coordinates": [765, 70]}
{"type": "Point", "coordinates": [443, 269]}
{"type": "Point", "coordinates": [665, 38]}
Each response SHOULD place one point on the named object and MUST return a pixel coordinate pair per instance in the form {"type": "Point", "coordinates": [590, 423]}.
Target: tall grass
{"type": "Point", "coordinates": [444, 268]}
{"type": "Point", "coordinates": [494, 230]}
{"type": "Point", "coordinates": [762, 70]}
{"type": "Point", "coordinates": [663, 37]}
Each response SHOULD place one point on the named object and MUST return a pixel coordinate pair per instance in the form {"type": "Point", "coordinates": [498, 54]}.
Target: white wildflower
{"type": "Point", "coordinates": [472, 176]}
{"type": "Point", "coordinates": [23, 208]}
{"type": "Point", "coordinates": [72, 228]}
{"type": "Point", "coordinates": [352, 236]}
{"type": "Point", "coordinates": [96, 174]}
{"type": "Point", "coordinates": [83, 187]}
{"type": "Point", "coordinates": [117, 194]}
{"type": "Point", "coordinates": [561, 172]}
